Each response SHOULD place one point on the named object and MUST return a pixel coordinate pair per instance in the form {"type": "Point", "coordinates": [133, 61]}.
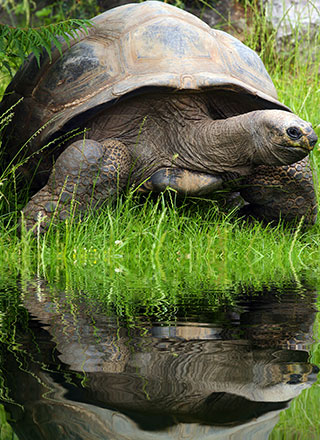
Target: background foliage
{"type": "Point", "coordinates": [29, 29]}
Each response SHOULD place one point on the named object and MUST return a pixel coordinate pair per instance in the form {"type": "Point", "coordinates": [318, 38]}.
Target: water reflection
{"type": "Point", "coordinates": [81, 374]}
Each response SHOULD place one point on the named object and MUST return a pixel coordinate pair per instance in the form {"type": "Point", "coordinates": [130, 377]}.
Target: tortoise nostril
{"type": "Point", "coordinates": [313, 138]}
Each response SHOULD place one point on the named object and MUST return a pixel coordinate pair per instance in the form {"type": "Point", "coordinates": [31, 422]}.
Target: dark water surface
{"type": "Point", "coordinates": [223, 373]}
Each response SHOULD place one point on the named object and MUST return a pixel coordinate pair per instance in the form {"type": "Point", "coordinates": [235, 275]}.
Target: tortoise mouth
{"type": "Point", "coordinates": [292, 154]}
{"type": "Point", "coordinates": [305, 148]}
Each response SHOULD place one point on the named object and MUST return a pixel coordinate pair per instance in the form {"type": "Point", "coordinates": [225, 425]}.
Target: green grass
{"type": "Point", "coordinates": [301, 421]}
{"type": "Point", "coordinates": [6, 432]}
{"type": "Point", "coordinates": [136, 244]}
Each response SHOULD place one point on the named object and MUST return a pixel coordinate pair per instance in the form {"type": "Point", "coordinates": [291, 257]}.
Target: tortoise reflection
{"type": "Point", "coordinates": [88, 376]}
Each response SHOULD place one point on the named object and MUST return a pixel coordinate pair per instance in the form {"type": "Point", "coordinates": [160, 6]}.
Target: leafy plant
{"type": "Point", "coordinates": [16, 43]}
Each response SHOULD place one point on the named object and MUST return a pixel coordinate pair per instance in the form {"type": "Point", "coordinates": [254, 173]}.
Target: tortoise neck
{"type": "Point", "coordinates": [227, 145]}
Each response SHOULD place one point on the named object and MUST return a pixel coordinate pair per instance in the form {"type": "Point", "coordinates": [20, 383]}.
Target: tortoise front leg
{"type": "Point", "coordinates": [285, 192]}
{"type": "Point", "coordinates": [85, 174]}
{"type": "Point", "coordinates": [185, 182]}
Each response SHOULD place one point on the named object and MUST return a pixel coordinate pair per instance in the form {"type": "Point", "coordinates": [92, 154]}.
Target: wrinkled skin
{"type": "Point", "coordinates": [160, 140]}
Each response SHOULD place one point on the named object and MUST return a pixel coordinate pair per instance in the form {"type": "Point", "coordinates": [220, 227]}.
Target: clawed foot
{"type": "Point", "coordinates": [85, 175]}
{"type": "Point", "coordinates": [45, 209]}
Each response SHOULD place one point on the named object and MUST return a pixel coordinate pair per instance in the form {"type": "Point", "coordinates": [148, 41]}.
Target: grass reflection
{"type": "Point", "coordinates": [302, 419]}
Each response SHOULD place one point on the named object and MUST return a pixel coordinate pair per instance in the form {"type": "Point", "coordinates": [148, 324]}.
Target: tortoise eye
{"type": "Point", "coordinates": [294, 133]}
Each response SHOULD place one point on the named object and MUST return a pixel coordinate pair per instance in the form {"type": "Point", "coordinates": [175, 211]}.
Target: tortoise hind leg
{"type": "Point", "coordinates": [85, 174]}
{"type": "Point", "coordinates": [285, 192]}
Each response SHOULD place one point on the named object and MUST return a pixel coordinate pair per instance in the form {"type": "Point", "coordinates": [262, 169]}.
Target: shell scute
{"type": "Point", "coordinates": [77, 76]}
{"type": "Point", "coordinates": [244, 64]}
{"type": "Point", "coordinates": [79, 62]}
{"type": "Point", "coordinates": [169, 39]}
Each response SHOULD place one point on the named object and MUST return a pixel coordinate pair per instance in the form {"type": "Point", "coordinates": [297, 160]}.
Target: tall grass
{"type": "Point", "coordinates": [136, 244]}
{"type": "Point", "coordinates": [6, 432]}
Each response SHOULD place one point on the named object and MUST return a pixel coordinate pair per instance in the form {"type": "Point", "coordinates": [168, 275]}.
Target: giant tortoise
{"type": "Point", "coordinates": [165, 101]}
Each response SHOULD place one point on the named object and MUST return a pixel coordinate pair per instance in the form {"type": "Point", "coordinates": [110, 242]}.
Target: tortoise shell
{"type": "Point", "coordinates": [128, 50]}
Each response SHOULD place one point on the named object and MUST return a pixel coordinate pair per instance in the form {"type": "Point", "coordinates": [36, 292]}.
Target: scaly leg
{"type": "Point", "coordinates": [185, 182]}
{"type": "Point", "coordinates": [285, 192]}
{"type": "Point", "coordinates": [85, 174]}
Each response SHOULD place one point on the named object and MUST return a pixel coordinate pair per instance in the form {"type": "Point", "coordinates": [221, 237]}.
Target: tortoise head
{"type": "Point", "coordinates": [284, 138]}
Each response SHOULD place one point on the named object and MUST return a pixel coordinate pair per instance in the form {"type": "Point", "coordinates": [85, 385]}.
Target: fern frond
{"type": "Point", "coordinates": [17, 43]}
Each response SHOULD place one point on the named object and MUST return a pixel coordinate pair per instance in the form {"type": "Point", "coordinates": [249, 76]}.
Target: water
{"type": "Point", "coordinates": [208, 373]}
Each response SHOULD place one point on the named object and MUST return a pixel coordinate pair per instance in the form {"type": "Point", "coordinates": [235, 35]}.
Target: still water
{"type": "Point", "coordinates": [220, 373]}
